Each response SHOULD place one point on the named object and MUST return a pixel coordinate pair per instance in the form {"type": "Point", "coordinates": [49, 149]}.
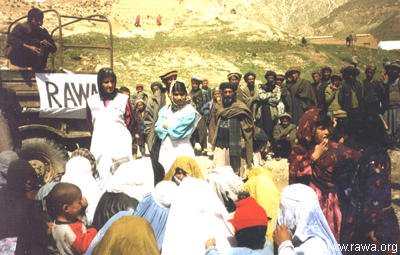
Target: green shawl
{"type": "Point", "coordinates": [240, 110]}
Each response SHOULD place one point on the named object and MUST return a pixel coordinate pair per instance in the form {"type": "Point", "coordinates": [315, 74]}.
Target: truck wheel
{"type": "Point", "coordinates": [47, 158]}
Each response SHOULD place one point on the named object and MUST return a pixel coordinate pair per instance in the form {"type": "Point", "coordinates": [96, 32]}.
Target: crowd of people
{"type": "Point", "coordinates": [335, 132]}
{"type": "Point", "coordinates": [111, 201]}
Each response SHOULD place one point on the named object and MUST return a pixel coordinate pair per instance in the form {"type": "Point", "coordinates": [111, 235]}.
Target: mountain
{"type": "Point", "coordinates": [293, 16]}
{"type": "Point", "coordinates": [258, 19]}
{"type": "Point", "coordinates": [380, 18]}
{"type": "Point", "coordinates": [274, 17]}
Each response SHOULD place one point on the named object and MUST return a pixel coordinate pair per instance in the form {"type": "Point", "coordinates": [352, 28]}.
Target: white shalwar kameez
{"type": "Point", "coordinates": [111, 139]}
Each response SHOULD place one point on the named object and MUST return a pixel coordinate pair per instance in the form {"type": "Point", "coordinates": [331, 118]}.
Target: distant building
{"type": "Point", "coordinates": [389, 45]}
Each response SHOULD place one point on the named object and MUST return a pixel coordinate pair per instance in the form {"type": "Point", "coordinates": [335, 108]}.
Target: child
{"type": "Point", "coordinates": [66, 206]}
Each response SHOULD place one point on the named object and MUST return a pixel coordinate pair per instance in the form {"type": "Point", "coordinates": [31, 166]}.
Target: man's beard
{"type": "Point", "coordinates": [326, 78]}
{"type": "Point", "coordinates": [228, 100]}
{"type": "Point", "coordinates": [250, 85]}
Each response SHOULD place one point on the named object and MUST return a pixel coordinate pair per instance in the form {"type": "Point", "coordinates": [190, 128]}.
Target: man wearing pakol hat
{"type": "Point", "coordinates": [392, 97]}
{"type": "Point", "coordinates": [247, 93]}
{"type": "Point", "coordinates": [233, 140]}
{"type": "Point", "coordinates": [266, 115]}
{"type": "Point", "coordinates": [284, 136]}
{"type": "Point", "coordinates": [350, 93]}
{"type": "Point", "coordinates": [331, 94]}
{"type": "Point", "coordinates": [373, 92]}
{"type": "Point", "coordinates": [302, 95]}
{"type": "Point", "coordinates": [153, 106]}
{"type": "Point", "coordinates": [199, 98]}
{"type": "Point", "coordinates": [280, 78]}
{"type": "Point", "coordinates": [250, 222]}
{"type": "Point", "coordinates": [235, 79]}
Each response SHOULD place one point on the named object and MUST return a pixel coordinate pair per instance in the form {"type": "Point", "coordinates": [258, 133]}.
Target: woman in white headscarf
{"type": "Point", "coordinates": [301, 225]}
{"type": "Point", "coordinates": [196, 211]}
{"type": "Point", "coordinates": [135, 178]}
{"type": "Point", "coordinates": [226, 184]}
{"type": "Point", "coordinates": [154, 208]}
{"type": "Point", "coordinates": [175, 125]}
{"type": "Point", "coordinates": [78, 171]}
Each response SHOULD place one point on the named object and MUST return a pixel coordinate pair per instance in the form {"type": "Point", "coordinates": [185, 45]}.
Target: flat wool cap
{"type": "Point", "coordinates": [169, 74]}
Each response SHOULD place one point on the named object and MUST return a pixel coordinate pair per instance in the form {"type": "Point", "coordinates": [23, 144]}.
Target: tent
{"type": "Point", "coordinates": [389, 45]}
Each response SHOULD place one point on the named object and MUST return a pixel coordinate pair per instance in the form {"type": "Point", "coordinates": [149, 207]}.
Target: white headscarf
{"type": "Point", "coordinates": [302, 214]}
{"type": "Point", "coordinates": [196, 215]}
{"type": "Point", "coordinates": [134, 178]}
{"type": "Point", "coordinates": [164, 192]}
{"type": "Point", "coordinates": [225, 183]}
{"type": "Point", "coordinates": [78, 171]}
{"type": "Point", "coordinates": [175, 107]}
{"type": "Point", "coordinates": [6, 157]}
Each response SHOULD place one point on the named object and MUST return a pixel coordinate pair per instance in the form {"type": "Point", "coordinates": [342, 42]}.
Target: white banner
{"type": "Point", "coordinates": [64, 95]}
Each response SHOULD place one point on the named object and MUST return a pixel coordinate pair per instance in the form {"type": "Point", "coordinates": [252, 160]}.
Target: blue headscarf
{"type": "Point", "coordinates": [302, 215]}
{"type": "Point", "coordinates": [155, 208]}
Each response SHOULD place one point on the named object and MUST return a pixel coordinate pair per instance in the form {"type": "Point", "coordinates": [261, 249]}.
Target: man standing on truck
{"type": "Point", "coordinates": [29, 44]}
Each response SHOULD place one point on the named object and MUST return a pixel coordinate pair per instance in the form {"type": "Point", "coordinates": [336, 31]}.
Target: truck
{"type": "Point", "coordinates": [48, 140]}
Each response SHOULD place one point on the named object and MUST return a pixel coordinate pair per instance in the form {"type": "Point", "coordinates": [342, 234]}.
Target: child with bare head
{"type": "Point", "coordinates": [66, 206]}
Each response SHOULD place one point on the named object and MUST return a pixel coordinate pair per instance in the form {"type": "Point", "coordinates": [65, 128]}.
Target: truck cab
{"type": "Point", "coordinates": [48, 139]}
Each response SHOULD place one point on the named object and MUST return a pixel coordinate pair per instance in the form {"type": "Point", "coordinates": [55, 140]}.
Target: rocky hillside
{"type": "Point", "coordinates": [294, 16]}
{"type": "Point", "coordinates": [266, 19]}
{"type": "Point", "coordinates": [380, 18]}
{"type": "Point", "coordinates": [275, 17]}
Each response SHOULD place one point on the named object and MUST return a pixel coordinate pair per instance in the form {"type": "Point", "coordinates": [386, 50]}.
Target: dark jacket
{"type": "Point", "coordinates": [152, 108]}
{"type": "Point", "coordinates": [345, 95]}
{"type": "Point", "coordinates": [303, 98]}
{"type": "Point", "coordinates": [25, 34]}
{"type": "Point", "coordinates": [373, 97]}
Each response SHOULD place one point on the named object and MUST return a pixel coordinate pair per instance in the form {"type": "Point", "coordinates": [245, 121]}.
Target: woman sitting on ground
{"type": "Point", "coordinates": [301, 226]}
{"type": "Point", "coordinates": [183, 167]}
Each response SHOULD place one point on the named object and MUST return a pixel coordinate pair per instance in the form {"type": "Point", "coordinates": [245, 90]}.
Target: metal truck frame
{"type": "Point", "coordinates": [46, 141]}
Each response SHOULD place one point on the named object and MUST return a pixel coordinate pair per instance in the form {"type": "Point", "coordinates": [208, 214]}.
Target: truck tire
{"type": "Point", "coordinates": [47, 158]}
